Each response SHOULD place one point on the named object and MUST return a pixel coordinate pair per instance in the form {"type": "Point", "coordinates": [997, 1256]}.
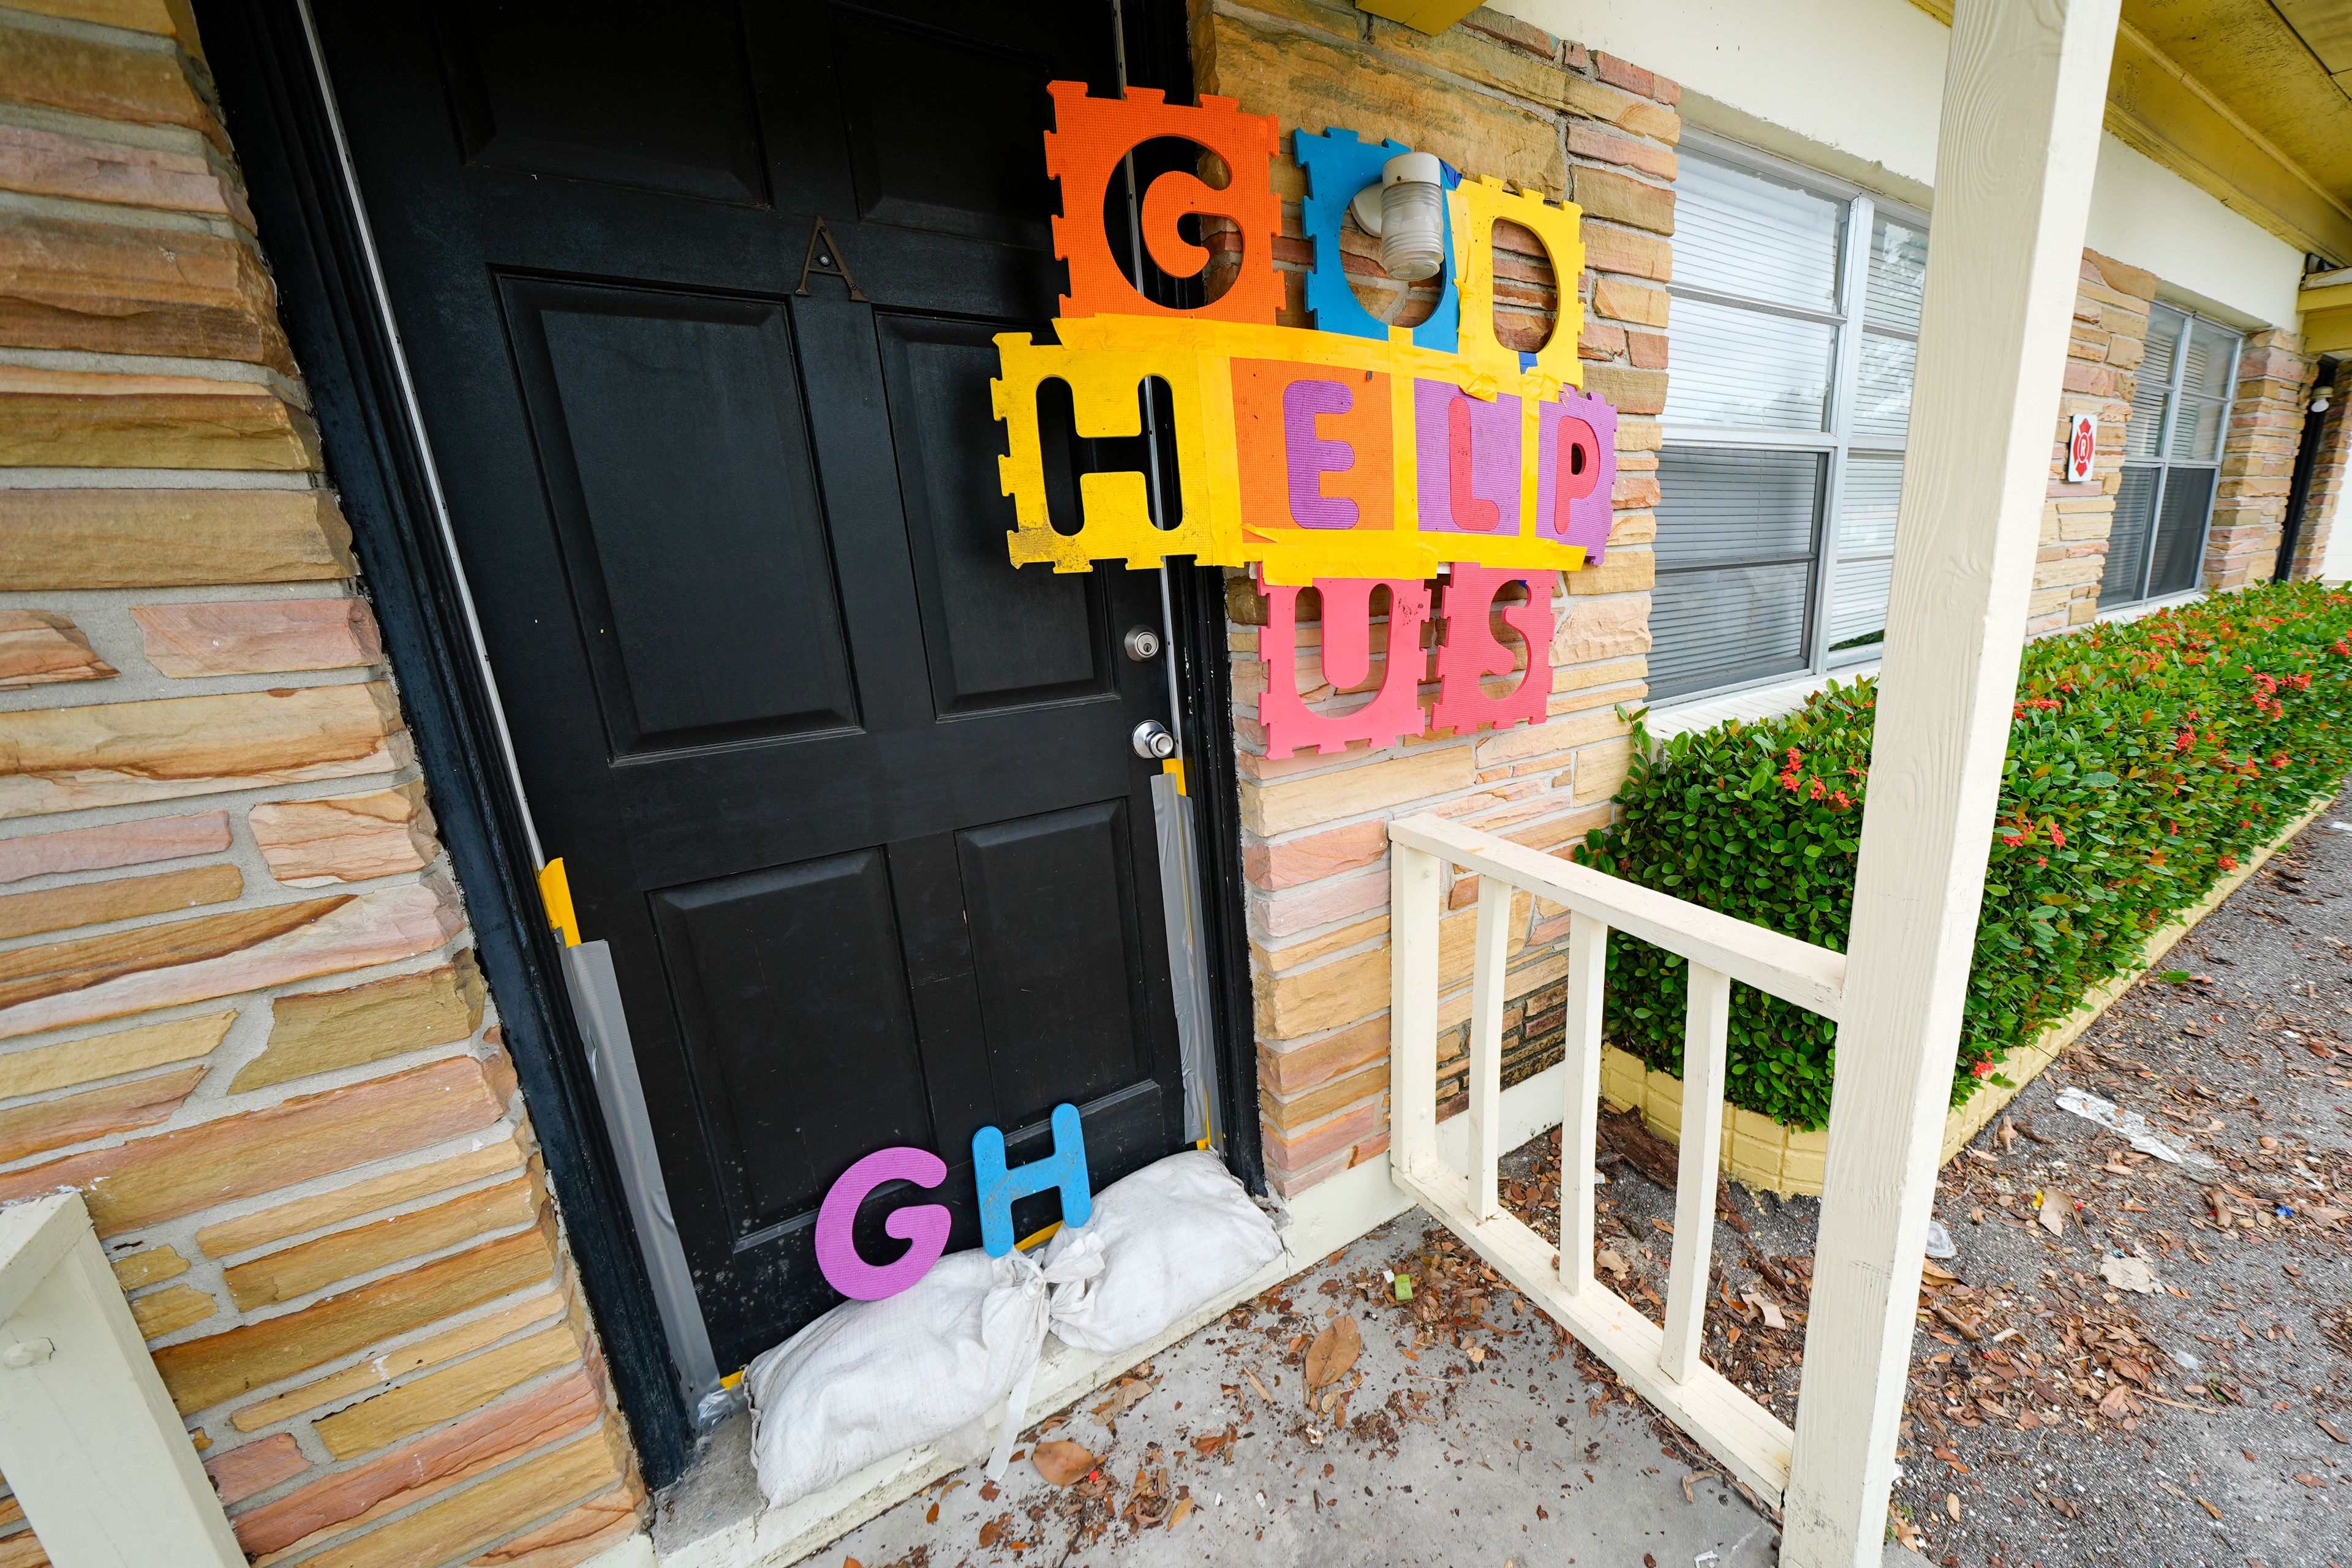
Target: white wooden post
{"type": "Point", "coordinates": [1707, 1029]}
{"type": "Point", "coordinates": [2024, 93]}
{"type": "Point", "coordinates": [1486, 1068]}
{"type": "Point", "coordinates": [88, 1437]}
{"type": "Point", "coordinates": [1588, 956]}
{"type": "Point", "coordinates": [1413, 1007]}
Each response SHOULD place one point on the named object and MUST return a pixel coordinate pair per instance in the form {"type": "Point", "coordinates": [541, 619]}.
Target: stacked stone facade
{"type": "Point", "coordinates": [2258, 460]}
{"type": "Point", "coordinates": [1491, 96]}
{"type": "Point", "coordinates": [239, 1007]}
{"type": "Point", "coordinates": [2104, 350]}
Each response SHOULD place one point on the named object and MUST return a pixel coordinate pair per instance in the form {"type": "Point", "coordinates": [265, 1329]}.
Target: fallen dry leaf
{"type": "Point", "coordinates": [1952, 1506]}
{"type": "Point", "coordinates": [1178, 1514]}
{"type": "Point", "coordinates": [1124, 1395]}
{"type": "Point", "coordinates": [1254, 1383]}
{"type": "Point", "coordinates": [2332, 1430]}
{"type": "Point", "coordinates": [1605, 1258]}
{"type": "Point", "coordinates": [2128, 1274]}
{"type": "Point", "coordinates": [2054, 1207]}
{"type": "Point", "coordinates": [1764, 1304]}
{"type": "Point", "coordinates": [1335, 1349]}
{"type": "Point", "coordinates": [991, 1533]}
{"type": "Point", "coordinates": [1062, 1462]}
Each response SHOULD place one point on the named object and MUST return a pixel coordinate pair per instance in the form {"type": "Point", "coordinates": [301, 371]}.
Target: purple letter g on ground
{"type": "Point", "coordinates": [923, 1224]}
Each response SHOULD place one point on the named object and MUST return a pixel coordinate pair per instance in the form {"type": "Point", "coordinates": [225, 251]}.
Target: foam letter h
{"type": "Point", "coordinates": [1066, 1168]}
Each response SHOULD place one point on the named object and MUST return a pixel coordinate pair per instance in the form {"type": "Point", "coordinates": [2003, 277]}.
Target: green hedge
{"type": "Point", "coordinates": [2145, 759]}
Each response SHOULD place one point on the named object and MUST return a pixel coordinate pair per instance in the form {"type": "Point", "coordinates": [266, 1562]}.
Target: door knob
{"type": "Point", "coordinates": [1142, 644]}
{"type": "Point", "coordinates": [1152, 741]}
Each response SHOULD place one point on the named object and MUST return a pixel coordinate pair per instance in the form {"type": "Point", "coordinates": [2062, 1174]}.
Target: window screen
{"type": "Point", "coordinates": [2172, 454]}
{"type": "Point", "coordinates": [1736, 560]}
{"type": "Point", "coordinates": [1788, 401]}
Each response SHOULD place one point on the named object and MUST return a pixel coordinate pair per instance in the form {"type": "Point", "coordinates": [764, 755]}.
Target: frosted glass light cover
{"type": "Point", "coordinates": [1412, 230]}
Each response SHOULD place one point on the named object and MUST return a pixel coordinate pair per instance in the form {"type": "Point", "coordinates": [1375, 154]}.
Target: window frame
{"type": "Point", "coordinates": [1836, 439]}
{"type": "Point", "coordinates": [2164, 464]}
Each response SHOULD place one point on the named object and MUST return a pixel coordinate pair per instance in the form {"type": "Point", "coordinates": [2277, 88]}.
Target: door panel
{"type": "Point", "coordinates": [1054, 938]}
{"type": "Point", "coordinates": [990, 642]}
{"type": "Point", "coordinates": [680, 476]}
{"type": "Point", "coordinates": [987, 181]}
{"type": "Point", "coordinates": [851, 799]}
{"type": "Point", "coordinates": [799, 1039]}
{"type": "Point", "coordinates": [672, 112]}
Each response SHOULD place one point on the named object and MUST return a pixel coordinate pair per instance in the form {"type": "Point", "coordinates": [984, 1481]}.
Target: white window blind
{"type": "Point", "coordinates": [1788, 399]}
{"type": "Point", "coordinates": [2172, 455]}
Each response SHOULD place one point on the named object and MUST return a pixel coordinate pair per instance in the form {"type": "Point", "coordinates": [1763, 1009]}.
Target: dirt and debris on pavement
{"type": "Point", "coordinates": [2130, 1358]}
{"type": "Point", "coordinates": [1339, 1419]}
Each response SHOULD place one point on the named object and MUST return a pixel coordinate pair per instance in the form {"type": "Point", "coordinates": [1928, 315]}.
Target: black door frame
{"type": "Point", "coordinates": [2306, 462]}
{"type": "Point", "coordinates": [289, 145]}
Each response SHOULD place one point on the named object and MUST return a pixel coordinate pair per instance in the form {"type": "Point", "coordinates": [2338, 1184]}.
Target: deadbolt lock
{"type": "Point", "coordinates": [1142, 644]}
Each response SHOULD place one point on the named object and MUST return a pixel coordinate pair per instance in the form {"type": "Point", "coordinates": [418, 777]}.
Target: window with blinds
{"type": "Point", "coordinates": [1788, 399]}
{"type": "Point", "coordinates": [2172, 458]}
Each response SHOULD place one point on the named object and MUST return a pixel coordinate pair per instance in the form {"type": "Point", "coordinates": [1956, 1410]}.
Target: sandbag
{"type": "Point", "coordinates": [1171, 1239]}
{"type": "Point", "coordinates": [871, 1378]}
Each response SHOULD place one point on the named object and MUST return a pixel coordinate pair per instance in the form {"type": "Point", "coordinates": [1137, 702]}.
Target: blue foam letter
{"type": "Point", "coordinates": [1066, 1168]}
{"type": "Point", "coordinates": [1338, 165]}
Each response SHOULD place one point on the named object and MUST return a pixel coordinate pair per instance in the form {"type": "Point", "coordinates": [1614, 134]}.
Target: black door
{"type": "Point", "coordinates": [853, 800]}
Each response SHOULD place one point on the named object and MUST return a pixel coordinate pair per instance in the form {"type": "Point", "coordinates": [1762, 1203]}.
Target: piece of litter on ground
{"type": "Point", "coordinates": [2134, 1127]}
{"type": "Point", "coordinates": [1704, 1558]}
{"type": "Point", "coordinates": [2130, 1274]}
{"type": "Point", "coordinates": [1939, 1241]}
{"type": "Point", "coordinates": [2339, 828]}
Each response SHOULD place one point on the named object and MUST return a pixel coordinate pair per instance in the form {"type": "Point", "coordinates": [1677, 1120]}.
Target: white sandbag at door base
{"type": "Point", "coordinates": [871, 1378]}
{"type": "Point", "coordinates": [1175, 1235]}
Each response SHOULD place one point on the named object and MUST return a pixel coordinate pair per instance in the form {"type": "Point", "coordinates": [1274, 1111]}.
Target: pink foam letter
{"type": "Point", "coordinates": [1471, 650]}
{"type": "Point", "coordinates": [1393, 712]}
{"type": "Point", "coordinates": [923, 1226]}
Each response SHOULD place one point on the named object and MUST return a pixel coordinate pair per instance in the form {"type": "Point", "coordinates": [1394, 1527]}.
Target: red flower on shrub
{"type": "Point", "coordinates": [1982, 1070]}
{"type": "Point", "coordinates": [2227, 862]}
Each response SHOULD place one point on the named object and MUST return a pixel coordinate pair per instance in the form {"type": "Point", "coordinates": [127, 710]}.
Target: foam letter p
{"type": "Point", "coordinates": [1064, 1168]}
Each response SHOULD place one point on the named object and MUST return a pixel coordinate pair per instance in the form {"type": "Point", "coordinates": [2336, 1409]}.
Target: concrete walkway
{"type": "Point", "coordinates": [1499, 1452]}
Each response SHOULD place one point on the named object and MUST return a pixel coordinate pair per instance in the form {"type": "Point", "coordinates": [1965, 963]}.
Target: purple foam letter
{"type": "Point", "coordinates": [925, 1225]}
{"type": "Point", "coordinates": [1310, 456]}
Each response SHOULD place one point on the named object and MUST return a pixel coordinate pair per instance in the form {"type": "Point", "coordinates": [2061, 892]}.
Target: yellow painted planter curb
{"type": "Point", "coordinates": [1763, 1153]}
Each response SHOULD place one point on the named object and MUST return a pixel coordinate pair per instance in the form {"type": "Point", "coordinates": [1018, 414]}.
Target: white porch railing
{"type": "Point", "coordinates": [89, 1439]}
{"type": "Point", "coordinates": [1663, 1366]}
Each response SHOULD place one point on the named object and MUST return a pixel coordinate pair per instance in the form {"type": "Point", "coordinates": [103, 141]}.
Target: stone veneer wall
{"type": "Point", "coordinates": [1492, 96]}
{"type": "Point", "coordinates": [2103, 355]}
{"type": "Point", "coordinates": [2258, 460]}
{"type": "Point", "coordinates": [238, 1006]}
